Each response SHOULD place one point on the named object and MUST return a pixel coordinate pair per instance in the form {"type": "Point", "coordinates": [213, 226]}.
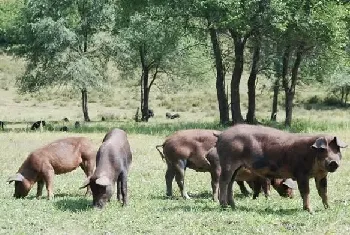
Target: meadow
{"type": "Point", "coordinates": [149, 210]}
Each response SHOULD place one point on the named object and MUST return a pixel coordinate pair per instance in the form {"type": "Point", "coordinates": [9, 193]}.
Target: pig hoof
{"type": "Point", "coordinates": [326, 206]}
{"type": "Point", "coordinates": [185, 196]}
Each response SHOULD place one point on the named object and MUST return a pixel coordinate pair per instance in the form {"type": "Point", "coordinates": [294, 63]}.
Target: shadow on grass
{"type": "Point", "coordinates": [73, 204]}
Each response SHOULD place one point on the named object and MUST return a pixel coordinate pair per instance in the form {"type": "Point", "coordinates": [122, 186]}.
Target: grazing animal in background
{"type": "Point", "coordinates": [103, 119]}
{"type": "Point", "coordinates": [273, 153]}
{"type": "Point", "coordinates": [112, 166]}
{"type": "Point", "coordinates": [36, 125]}
{"type": "Point", "coordinates": [64, 128]}
{"type": "Point", "coordinates": [172, 116]}
{"type": "Point", "coordinates": [150, 113]}
{"type": "Point", "coordinates": [2, 125]}
{"type": "Point", "coordinates": [77, 125]}
{"type": "Point", "coordinates": [58, 157]}
{"type": "Point", "coordinates": [65, 119]}
{"type": "Point", "coordinates": [195, 149]}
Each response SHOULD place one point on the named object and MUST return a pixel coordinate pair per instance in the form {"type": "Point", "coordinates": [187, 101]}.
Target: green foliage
{"type": "Point", "coordinates": [9, 12]}
{"type": "Point", "coordinates": [62, 43]}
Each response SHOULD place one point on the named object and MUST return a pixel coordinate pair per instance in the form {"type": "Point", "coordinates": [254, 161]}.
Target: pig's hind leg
{"type": "Point", "coordinates": [124, 187]}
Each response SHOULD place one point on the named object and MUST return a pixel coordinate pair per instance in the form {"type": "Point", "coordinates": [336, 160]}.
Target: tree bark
{"type": "Point", "coordinates": [276, 88]}
{"type": "Point", "coordinates": [144, 86]}
{"type": "Point", "coordinates": [290, 90]}
{"type": "Point", "coordinates": [84, 105]}
{"type": "Point", "coordinates": [239, 44]}
{"type": "Point", "coordinates": [252, 85]}
{"type": "Point", "coordinates": [220, 78]}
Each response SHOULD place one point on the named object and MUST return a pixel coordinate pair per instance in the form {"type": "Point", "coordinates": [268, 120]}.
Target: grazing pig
{"type": "Point", "coordinates": [112, 165]}
{"type": "Point", "coordinates": [273, 153]}
{"type": "Point", "coordinates": [61, 156]}
{"type": "Point", "coordinates": [36, 125]}
{"type": "Point", "coordinates": [195, 149]}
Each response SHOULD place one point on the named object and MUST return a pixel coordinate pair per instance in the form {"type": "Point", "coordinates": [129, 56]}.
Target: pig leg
{"type": "Point", "coordinates": [215, 171]}
{"type": "Point", "coordinates": [304, 188]}
{"type": "Point", "coordinates": [266, 186]}
{"type": "Point", "coordinates": [119, 185]}
{"type": "Point", "coordinates": [321, 185]}
{"type": "Point", "coordinates": [124, 188]}
{"type": "Point", "coordinates": [179, 177]}
{"type": "Point", "coordinates": [169, 177]}
{"type": "Point", "coordinates": [40, 189]}
{"type": "Point", "coordinates": [48, 178]}
{"type": "Point", "coordinates": [243, 189]}
{"type": "Point", "coordinates": [88, 168]}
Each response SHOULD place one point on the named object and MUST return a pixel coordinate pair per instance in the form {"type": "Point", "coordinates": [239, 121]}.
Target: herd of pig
{"type": "Point", "coordinates": [262, 156]}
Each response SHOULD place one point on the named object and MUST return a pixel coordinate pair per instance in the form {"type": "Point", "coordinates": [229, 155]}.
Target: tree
{"type": "Point", "coordinates": [65, 43]}
{"type": "Point", "coordinates": [149, 41]}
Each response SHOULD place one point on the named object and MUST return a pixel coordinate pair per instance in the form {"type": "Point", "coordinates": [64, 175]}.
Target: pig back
{"type": "Point", "coordinates": [63, 155]}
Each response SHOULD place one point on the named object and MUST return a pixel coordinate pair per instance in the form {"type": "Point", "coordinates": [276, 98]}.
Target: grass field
{"type": "Point", "coordinates": [149, 211]}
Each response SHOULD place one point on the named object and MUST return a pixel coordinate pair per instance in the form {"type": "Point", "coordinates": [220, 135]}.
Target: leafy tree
{"type": "Point", "coordinates": [65, 43]}
{"type": "Point", "coordinates": [150, 41]}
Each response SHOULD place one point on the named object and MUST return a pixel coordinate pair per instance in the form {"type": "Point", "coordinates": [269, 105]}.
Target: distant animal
{"type": "Point", "coordinates": [103, 119]}
{"type": "Point", "coordinates": [113, 160]}
{"type": "Point", "coordinates": [273, 153]}
{"type": "Point", "coordinates": [2, 125]}
{"type": "Point", "coordinates": [150, 113]}
{"type": "Point", "coordinates": [36, 125]}
{"type": "Point", "coordinates": [195, 149]}
{"type": "Point", "coordinates": [172, 116]}
{"type": "Point", "coordinates": [58, 157]}
{"type": "Point", "coordinates": [64, 128]}
{"type": "Point", "coordinates": [77, 124]}
{"type": "Point", "coordinates": [65, 119]}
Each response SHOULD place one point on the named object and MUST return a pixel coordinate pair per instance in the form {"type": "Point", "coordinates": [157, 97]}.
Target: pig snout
{"type": "Point", "coordinates": [332, 166]}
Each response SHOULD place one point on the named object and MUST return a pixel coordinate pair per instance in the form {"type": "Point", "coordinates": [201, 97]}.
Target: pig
{"type": "Point", "coordinates": [274, 153]}
{"type": "Point", "coordinates": [195, 149]}
{"type": "Point", "coordinates": [36, 125]}
{"type": "Point", "coordinates": [58, 157]}
{"type": "Point", "coordinates": [112, 165]}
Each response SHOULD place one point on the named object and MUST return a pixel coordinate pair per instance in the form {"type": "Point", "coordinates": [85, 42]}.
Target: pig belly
{"type": "Point", "coordinates": [62, 167]}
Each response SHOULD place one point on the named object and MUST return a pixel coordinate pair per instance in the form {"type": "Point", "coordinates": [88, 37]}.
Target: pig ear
{"type": "Point", "coordinates": [290, 183]}
{"type": "Point", "coordinates": [86, 183]}
{"type": "Point", "coordinates": [320, 143]}
{"type": "Point", "coordinates": [16, 177]}
{"type": "Point", "coordinates": [103, 181]}
{"type": "Point", "coordinates": [340, 143]}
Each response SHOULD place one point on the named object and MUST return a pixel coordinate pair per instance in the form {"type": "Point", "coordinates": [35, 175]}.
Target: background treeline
{"type": "Point", "coordinates": [70, 43]}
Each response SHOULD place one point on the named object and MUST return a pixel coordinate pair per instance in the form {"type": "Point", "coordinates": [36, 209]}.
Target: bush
{"type": "Point", "coordinates": [332, 101]}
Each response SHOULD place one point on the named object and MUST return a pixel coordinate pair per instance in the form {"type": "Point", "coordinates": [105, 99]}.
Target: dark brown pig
{"type": "Point", "coordinates": [195, 149]}
{"type": "Point", "coordinates": [277, 154]}
{"type": "Point", "coordinates": [112, 165]}
{"type": "Point", "coordinates": [59, 157]}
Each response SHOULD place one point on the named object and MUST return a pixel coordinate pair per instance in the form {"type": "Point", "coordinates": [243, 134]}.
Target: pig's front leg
{"type": "Point", "coordinates": [321, 185]}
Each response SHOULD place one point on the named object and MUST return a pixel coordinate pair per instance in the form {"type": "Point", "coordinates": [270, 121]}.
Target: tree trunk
{"type": "Point", "coordinates": [236, 78]}
{"type": "Point", "coordinates": [84, 105]}
{"type": "Point", "coordinates": [252, 84]}
{"type": "Point", "coordinates": [290, 91]}
{"type": "Point", "coordinates": [220, 78]}
{"type": "Point", "coordinates": [144, 86]}
{"type": "Point", "coordinates": [276, 88]}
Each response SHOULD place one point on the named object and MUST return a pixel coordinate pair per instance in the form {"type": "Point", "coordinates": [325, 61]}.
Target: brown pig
{"type": "Point", "coordinates": [195, 149]}
{"type": "Point", "coordinates": [112, 165]}
{"type": "Point", "coordinates": [273, 153]}
{"type": "Point", "coordinates": [58, 157]}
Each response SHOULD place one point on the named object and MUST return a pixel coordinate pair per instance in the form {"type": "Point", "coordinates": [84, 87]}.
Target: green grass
{"type": "Point", "coordinates": [149, 210]}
